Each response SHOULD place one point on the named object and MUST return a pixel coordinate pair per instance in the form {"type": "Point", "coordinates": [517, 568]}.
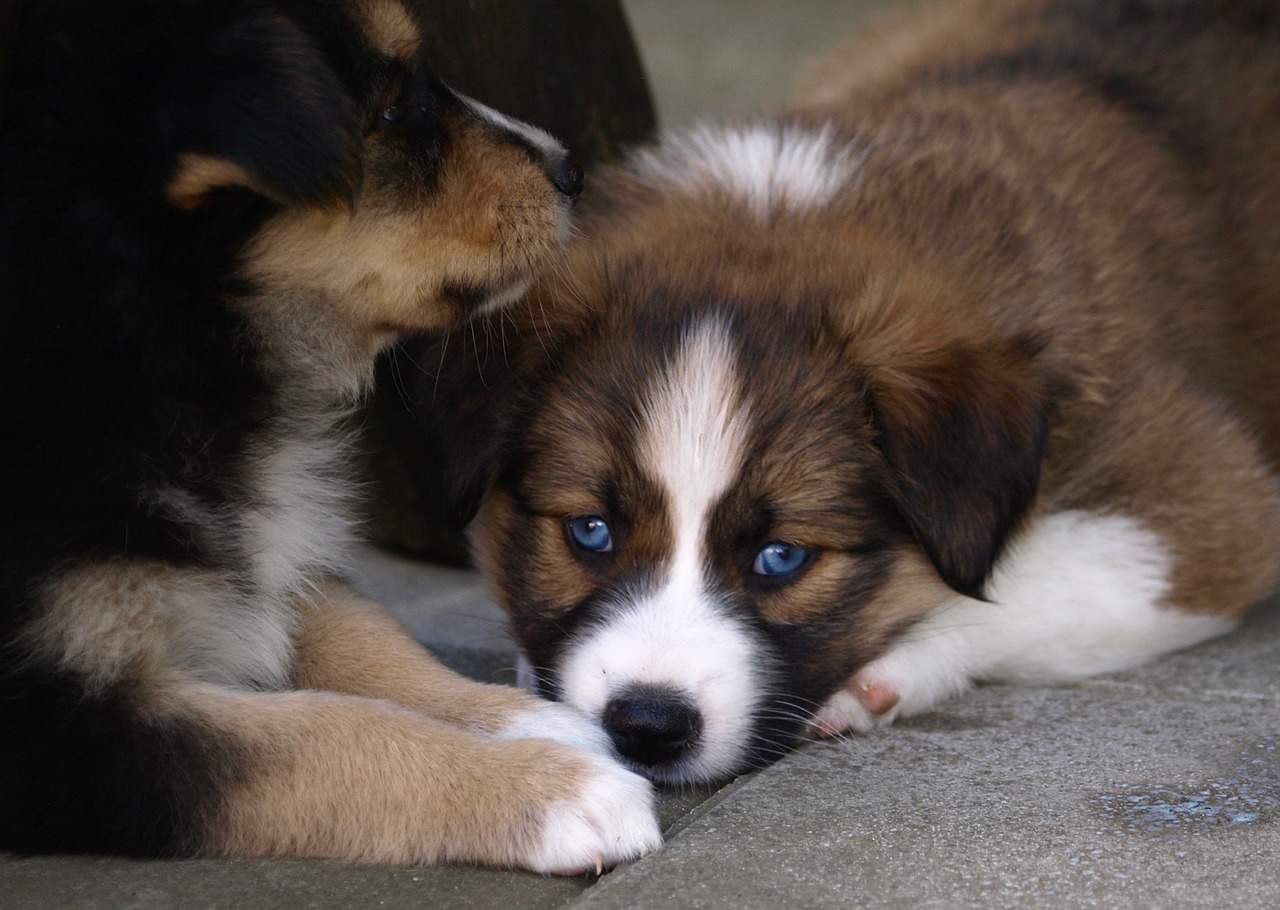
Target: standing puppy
{"type": "Point", "coordinates": [213, 215]}
{"type": "Point", "coordinates": [966, 367]}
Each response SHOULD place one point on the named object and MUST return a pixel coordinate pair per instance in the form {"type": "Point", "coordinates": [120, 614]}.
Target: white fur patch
{"type": "Point", "coordinates": [559, 724]}
{"type": "Point", "coordinates": [768, 167]}
{"type": "Point", "coordinates": [298, 527]}
{"type": "Point", "coordinates": [610, 820]}
{"type": "Point", "coordinates": [679, 637]}
{"type": "Point", "coordinates": [695, 429]}
{"type": "Point", "coordinates": [1075, 595]}
{"type": "Point", "coordinates": [538, 138]}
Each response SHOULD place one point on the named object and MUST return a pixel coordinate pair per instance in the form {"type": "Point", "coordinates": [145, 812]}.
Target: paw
{"type": "Point", "coordinates": [869, 700]}
{"type": "Point", "coordinates": [912, 677]}
{"type": "Point", "coordinates": [610, 820]}
{"type": "Point", "coordinates": [559, 724]}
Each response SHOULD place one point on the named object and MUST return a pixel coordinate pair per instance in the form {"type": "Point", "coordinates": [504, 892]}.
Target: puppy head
{"type": "Point", "coordinates": [301, 157]}
{"type": "Point", "coordinates": [751, 459]}
{"type": "Point", "coordinates": [456, 211]}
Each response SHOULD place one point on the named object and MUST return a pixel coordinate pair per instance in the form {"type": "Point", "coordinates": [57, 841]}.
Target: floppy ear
{"type": "Point", "coordinates": [476, 381]}
{"type": "Point", "coordinates": [963, 430]}
{"type": "Point", "coordinates": [465, 399]}
{"type": "Point", "coordinates": [256, 105]}
{"type": "Point", "coordinates": [962, 411]}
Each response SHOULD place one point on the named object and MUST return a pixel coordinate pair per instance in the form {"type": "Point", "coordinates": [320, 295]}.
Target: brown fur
{"type": "Point", "coordinates": [1050, 285]}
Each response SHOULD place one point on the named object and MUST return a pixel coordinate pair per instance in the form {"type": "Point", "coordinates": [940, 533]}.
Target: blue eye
{"type": "Point", "coordinates": [778, 559]}
{"type": "Point", "coordinates": [590, 534]}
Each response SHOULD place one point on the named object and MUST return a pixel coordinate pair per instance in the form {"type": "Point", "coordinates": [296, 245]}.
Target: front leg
{"type": "Point", "coordinates": [932, 662]}
{"type": "Point", "coordinates": [346, 643]}
{"type": "Point", "coordinates": [349, 645]}
{"type": "Point", "coordinates": [1077, 594]}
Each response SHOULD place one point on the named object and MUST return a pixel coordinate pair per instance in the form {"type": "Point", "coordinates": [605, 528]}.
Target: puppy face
{"type": "Point", "coordinates": [300, 161]}
{"type": "Point", "coordinates": [455, 210]}
{"type": "Point", "coordinates": [668, 573]}
{"type": "Point", "coordinates": [710, 507]}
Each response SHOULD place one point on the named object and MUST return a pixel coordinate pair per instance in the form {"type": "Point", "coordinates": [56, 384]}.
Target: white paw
{"type": "Point", "coordinates": [842, 712]}
{"type": "Point", "coordinates": [610, 821]}
{"type": "Point", "coordinates": [869, 700]}
{"type": "Point", "coordinates": [560, 724]}
{"type": "Point", "coordinates": [912, 677]}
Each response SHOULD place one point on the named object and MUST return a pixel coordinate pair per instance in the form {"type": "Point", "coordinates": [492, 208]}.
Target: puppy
{"type": "Point", "coordinates": [964, 367]}
{"type": "Point", "coordinates": [213, 216]}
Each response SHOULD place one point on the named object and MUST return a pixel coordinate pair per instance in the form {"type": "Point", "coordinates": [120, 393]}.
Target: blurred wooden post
{"type": "Point", "coordinates": [568, 66]}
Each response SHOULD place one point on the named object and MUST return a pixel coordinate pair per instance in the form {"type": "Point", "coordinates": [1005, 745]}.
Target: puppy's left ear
{"type": "Point", "coordinates": [962, 411]}
{"type": "Point", "coordinates": [964, 434]}
{"type": "Point", "coordinates": [254, 104]}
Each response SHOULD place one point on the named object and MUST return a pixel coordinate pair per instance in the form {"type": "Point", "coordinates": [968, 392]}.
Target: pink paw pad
{"type": "Point", "coordinates": [877, 697]}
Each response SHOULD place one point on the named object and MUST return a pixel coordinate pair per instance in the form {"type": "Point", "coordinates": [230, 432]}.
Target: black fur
{"type": "Point", "coordinates": [140, 398]}
{"type": "Point", "coordinates": [122, 368]}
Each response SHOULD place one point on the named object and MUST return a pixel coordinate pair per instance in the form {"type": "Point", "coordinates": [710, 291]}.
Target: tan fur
{"type": "Point", "coordinates": [387, 266]}
{"type": "Point", "coordinates": [392, 29]}
{"type": "Point", "coordinates": [372, 751]}
{"type": "Point", "coordinates": [369, 781]}
{"type": "Point", "coordinates": [377, 757]}
{"type": "Point", "coordinates": [349, 645]}
{"type": "Point", "coordinates": [196, 175]}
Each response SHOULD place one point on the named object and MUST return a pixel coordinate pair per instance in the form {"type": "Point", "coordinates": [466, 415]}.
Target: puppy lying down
{"type": "Point", "coordinates": [964, 367]}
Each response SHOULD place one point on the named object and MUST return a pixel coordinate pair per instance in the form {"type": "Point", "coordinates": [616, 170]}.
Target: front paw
{"type": "Point", "coordinates": [869, 700]}
{"type": "Point", "coordinates": [912, 677]}
{"type": "Point", "coordinates": [610, 819]}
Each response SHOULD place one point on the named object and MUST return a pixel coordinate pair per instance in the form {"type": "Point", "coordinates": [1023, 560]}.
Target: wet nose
{"type": "Point", "coordinates": [652, 727]}
{"type": "Point", "coordinates": [566, 177]}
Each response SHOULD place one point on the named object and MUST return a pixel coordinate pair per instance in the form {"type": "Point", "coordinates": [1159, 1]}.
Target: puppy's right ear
{"type": "Point", "coordinates": [253, 103]}
{"type": "Point", "coordinates": [464, 402]}
{"type": "Point", "coordinates": [475, 381]}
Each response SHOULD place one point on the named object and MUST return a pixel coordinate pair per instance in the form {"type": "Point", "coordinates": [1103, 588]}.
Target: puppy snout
{"type": "Point", "coordinates": [652, 727]}
{"type": "Point", "coordinates": [566, 176]}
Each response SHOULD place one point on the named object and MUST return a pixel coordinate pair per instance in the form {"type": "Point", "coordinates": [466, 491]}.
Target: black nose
{"type": "Point", "coordinates": [652, 727]}
{"type": "Point", "coordinates": [567, 177]}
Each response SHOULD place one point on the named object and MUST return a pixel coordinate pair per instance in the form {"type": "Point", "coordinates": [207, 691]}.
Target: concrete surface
{"type": "Point", "coordinates": [1157, 788]}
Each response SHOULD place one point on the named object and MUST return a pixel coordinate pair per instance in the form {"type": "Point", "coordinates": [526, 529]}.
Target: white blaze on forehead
{"type": "Point", "coordinates": [677, 635]}
{"type": "Point", "coordinates": [695, 425]}
{"type": "Point", "coordinates": [766, 166]}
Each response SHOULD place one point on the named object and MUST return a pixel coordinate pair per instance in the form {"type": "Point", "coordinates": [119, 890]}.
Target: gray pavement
{"type": "Point", "coordinates": [1157, 788]}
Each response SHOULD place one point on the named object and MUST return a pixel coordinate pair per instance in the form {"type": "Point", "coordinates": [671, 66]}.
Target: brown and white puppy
{"type": "Point", "coordinates": [213, 215]}
{"type": "Point", "coordinates": [965, 367]}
